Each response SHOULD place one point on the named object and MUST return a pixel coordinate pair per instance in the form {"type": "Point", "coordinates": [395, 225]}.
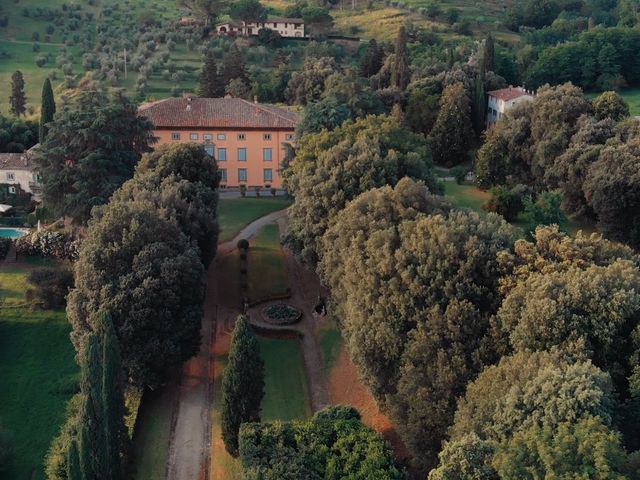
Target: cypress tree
{"type": "Point", "coordinates": [478, 106]}
{"type": "Point", "coordinates": [73, 462]}
{"type": "Point", "coordinates": [233, 66]}
{"type": "Point", "coordinates": [400, 74]}
{"type": "Point", "coordinates": [451, 134]}
{"type": "Point", "coordinates": [372, 61]}
{"type": "Point", "coordinates": [17, 99]}
{"type": "Point", "coordinates": [242, 384]}
{"type": "Point", "coordinates": [116, 437]}
{"type": "Point", "coordinates": [488, 55]}
{"type": "Point", "coordinates": [211, 85]}
{"type": "Point", "coordinates": [47, 109]}
{"type": "Point", "coordinates": [91, 443]}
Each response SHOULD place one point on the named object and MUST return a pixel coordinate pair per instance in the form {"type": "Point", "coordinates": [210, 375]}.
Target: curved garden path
{"type": "Point", "coordinates": [190, 445]}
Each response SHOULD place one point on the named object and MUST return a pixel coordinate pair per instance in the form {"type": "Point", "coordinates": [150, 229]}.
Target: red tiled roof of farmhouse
{"type": "Point", "coordinates": [509, 93]}
{"type": "Point", "coordinates": [16, 161]}
{"type": "Point", "coordinates": [194, 112]}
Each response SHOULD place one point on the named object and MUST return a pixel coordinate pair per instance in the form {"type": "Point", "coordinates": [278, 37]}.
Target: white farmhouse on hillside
{"type": "Point", "coordinates": [502, 100]}
{"type": "Point", "coordinates": [19, 170]}
{"type": "Point", "coordinates": [286, 27]}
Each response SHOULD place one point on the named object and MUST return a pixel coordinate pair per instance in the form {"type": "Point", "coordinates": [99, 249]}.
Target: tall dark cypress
{"type": "Point", "coordinates": [478, 106]}
{"type": "Point", "coordinates": [233, 66]}
{"type": "Point", "coordinates": [372, 60]}
{"type": "Point", "coordinates": [488, 55]}
{"type": "Point", "coordinates": [17, 99]}
{"type": "Point", "coordinates": [91, 442]}
{"type": "Point", "coordinates": [74, 472]}
{"type": "Point", "coordinates": [400, 75]}
{"type": "Point", "coordinates": [116, 437]}
{"type": "Point", "coordinates": [242, 384]}
{"type": "Point", "coordinates": [47, 109]}
{"type": "Point", "coordinates": [211, 83]}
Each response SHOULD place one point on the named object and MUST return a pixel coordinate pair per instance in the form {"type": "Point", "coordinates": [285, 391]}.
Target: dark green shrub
{"type": "Point", "coordinates": [459, 173]}
{"type": "Point", "coordinates": [50, 285]}
{"type": "Point", "coordinates": [505, 201]}
{"type": "Point", "coordinates": [5, 244]}
{"type": "Point", "coordinates": [337, 412]}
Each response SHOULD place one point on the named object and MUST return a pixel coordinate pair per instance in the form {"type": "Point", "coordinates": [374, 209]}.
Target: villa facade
{"type": "Point", "coordinates": [18, 171]}
{"type": "Point", "coordinates": [249, 140]}
{"type": "Point", "coordinates": [502, 100]}
{"type": "Point", "coordinates": [286, 27]}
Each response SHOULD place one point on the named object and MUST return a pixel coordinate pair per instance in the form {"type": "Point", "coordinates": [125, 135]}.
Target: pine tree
{"type": "Point", "coordinates": [242, 384]}
{"type": "Point", "coordinates": [233, 66]}
{"type": "Point", "coordinates": [48, 108]}
{"type": "Point", "coordinates": [488, 61]}
{"type": "Point", "coordinates": [400, 74]}
{"type": "Point", "coordinates": [18, 100]}
{"type": "Point", "coordinates": [451, 134]}
{"type": "Point", "coordinates": [478, 106]}
{"type": "Point", "coordinates": [211, 85]}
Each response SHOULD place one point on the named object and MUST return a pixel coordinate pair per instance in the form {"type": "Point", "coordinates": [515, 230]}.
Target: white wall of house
{"type": "Point", "coordinates": [285, 29]}
{"type": "Point", "coordinates": [28, 180]}
{"type": "Point", "coordinates": [496, 107]}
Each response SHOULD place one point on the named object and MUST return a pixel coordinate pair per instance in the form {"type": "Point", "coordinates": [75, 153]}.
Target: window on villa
{"type": "Point", "coordinates": [209, 150]}
{"type": "Point", "coordinates": [289, 136]}
{"type": "Point", "coordinates": [268, 175]}
{"type": "Point", "coordinates": [175, 136]}
{"type": "Point", "coordinates": [222, 136]}
{"type": "Point", "coordinates": [12, 189]}
{"type": "Point", "coordinates": [222, 154]}
{"type": "Point", "coordinates": [266, 136]}
{"type": "Point", "coordinates": [242, 154]}
{"type": "Point", "coordinates": [223, 174]}
{"type": "Point", "coordinates": [242, 136]}
{"type": "Point", "coordinates": [207, 137]}
{"type": "Point", "coordinates": [11, 176]}
{"type": "Point", "coordinates": [193, 136]}
{"type": "Point", "coordinates": [242, 175]}
{"type": "Point", "coordinates": [267, 154]}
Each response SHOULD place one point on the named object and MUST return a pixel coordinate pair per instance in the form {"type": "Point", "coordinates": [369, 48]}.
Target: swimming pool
{"type": "Point", "coordinates": [13, 232]}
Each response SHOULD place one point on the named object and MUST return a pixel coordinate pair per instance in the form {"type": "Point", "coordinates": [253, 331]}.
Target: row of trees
{"type": "Point", "coordinates": [561, 140]}
{"type": "Point", "coordinates": [136, 307]}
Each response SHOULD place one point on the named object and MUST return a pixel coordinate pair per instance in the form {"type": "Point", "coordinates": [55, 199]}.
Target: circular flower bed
{"type": "Point", "coordinates": [281, 314]}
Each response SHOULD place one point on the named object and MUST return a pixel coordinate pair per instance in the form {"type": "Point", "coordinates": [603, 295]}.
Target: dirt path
{"type": "Point", "coordinates": [189, 450]}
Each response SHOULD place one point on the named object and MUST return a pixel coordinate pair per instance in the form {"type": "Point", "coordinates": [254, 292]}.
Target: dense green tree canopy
{"type": "Point", "coordinates": [307, 84]}
{"type": "Point", "coordinates": [527, 389]}
{"type": "Point", "coordinates": [82, 171]}
{"type": "Point", "coordinates": [138, 264]}
{"type": "Point", "coordinates": [334, 167]}
{"type": "Point", "coordinates": [325, 447]}
{"type": "Point", "coordinates": [451, 134]}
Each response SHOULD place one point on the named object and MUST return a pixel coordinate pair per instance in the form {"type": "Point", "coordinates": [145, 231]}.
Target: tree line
{"type": "Point", "coordinates": [136, 307]}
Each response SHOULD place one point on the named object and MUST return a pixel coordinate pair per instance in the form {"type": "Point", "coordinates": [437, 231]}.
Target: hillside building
{"type": "Point", "coordinates": [248, 139]}
{"type": "Point", "coordinates": [502, 100]}
{"type": "Point", "coordinates": [286, 27]}
{"type": "Point", "coordinates": [18, 173]}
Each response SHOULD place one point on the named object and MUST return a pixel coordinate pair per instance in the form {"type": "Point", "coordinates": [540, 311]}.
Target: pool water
{"type": "Point", "coordinates": [12, 233]}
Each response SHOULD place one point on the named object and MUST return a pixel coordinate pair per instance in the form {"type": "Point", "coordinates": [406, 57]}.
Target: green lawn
{"type": "Point", "coordinates": [267, 273]}
{"type": "Point", "coordinates": [286, 392]}
{"type": "Point", "coordinates": [331, 343]}
{"type": "Point", "coordinates": [465, 195]}
{"type": "Point", "coordinates": [152, 434]}
{"type": "Point", "coordinates": [236, 213]}
{"type": "Point", "coordinates": [39, 375]}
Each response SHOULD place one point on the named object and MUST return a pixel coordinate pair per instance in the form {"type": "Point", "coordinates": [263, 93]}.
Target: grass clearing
{"type": "Point", "coordinates": [152, 433]}
{"type": "Point", "coordinates": [39, 374]}
{"type": "Point", "coordinates": [267, 273]}
{"type": "Point", "coordinates": [466, 195]}
{"type": "Point", "coordinates": [286, 391]}
{"type": "Point", "coordinates": [330, 342]}
{"type": "Point", "coordinates": [236, 213]}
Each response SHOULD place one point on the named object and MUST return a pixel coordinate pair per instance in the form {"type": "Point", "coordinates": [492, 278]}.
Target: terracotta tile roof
{"type": "Point", "coordinates": [284, 20]}
{"type": "Point", "coordinates": [509, 93]}
{"type": "Point", "coordinates": [217, 113]}
{"type": "Point", "coordinates": [16, 161]}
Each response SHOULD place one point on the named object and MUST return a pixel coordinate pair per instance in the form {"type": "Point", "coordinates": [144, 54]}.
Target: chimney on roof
{"type": "Point", "coordinates": [188, 102]}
